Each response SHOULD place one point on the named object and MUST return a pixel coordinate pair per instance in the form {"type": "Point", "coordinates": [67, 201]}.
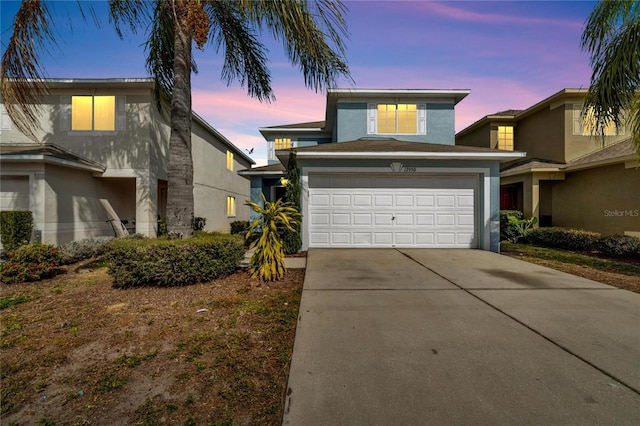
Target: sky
{"type": "Point", "coordinates": [509, 54]}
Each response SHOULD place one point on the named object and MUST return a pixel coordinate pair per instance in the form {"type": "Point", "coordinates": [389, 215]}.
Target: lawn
{"type": "Point", "coordinates": [621, 273]}
{"type": "Point", "coordinates": [76, 351]}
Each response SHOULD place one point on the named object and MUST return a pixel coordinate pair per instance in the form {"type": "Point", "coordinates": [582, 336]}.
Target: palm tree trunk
{"type": "Point", "coordinates": [180, 179]}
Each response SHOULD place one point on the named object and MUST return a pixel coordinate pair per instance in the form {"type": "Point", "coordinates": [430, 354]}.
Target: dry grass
{"type": "Point", "coordinates": [76, 351]}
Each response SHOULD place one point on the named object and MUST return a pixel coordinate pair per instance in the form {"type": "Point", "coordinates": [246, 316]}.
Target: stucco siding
{"type": "Point", "coordinates": [604, 199]}
{"type": "Point", "coordinates": [480, 137]}
{"type": "Point", "coordinates": [541, 135]}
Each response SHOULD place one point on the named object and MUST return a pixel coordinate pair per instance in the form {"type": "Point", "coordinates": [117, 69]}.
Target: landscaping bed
{"type": "Point", "coordinates": [75, 350]}
{"type": "Point", "coordinates": [623, 273]}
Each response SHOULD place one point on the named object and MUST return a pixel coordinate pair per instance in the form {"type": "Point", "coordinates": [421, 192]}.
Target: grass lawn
{"type": "Point", "coordinates": [76, 351]}
{"type": "Point", "coordinates": [621, 273]}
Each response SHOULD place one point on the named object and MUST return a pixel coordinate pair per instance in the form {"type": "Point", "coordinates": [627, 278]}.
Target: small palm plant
{"type": "Point", "coordinates": [267, 262]}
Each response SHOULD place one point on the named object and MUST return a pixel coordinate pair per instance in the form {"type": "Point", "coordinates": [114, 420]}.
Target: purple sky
{"type": "Point", "coordinates": [510, 54]}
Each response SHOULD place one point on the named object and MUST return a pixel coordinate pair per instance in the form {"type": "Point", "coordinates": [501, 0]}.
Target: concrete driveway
{"type": "Point", "coordinates": [445, 337]}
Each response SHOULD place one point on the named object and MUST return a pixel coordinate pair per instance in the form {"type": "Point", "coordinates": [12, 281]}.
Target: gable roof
{"type": "Point", "coordinates": [47, 153]}
{"type": "Point", "coordinates": [393, 148]}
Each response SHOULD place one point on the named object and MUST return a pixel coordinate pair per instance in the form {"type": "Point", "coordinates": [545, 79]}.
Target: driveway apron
{"type": "Point", "coordinates": [419, 337]}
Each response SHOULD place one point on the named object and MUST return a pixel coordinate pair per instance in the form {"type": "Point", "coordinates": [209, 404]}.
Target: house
{"type": "Point", "coordinates": [569, 177]}
{"type": "Point", "coordinates": [383, 170]}
{"type": "Point", "coordinates": [101, 161]}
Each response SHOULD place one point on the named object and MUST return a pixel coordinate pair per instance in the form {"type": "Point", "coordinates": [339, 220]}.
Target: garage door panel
{"type": "Point", "coordinates": [387, 211]}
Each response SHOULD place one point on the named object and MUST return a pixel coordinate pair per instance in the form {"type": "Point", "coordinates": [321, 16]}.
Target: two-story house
{"type": "Point", "coordinates": [569, 177]}
{"type": "Point", "coordinates": [101, 159]}
{"type": "Point", "coordinates": [383, 170]}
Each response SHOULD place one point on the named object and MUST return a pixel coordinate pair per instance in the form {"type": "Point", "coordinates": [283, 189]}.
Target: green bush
{"type": "Point", "coordinates": [239, 227]}
{"type": "Point", "coordinates": [15, 228]}
{"type": "Point", "coordinates": [30, 262]}
{"type": "Point", "coordinates": [619, 246]}
{"type": "Point", "coordinates": [507, 230]}
{"type": "Point", "coordinates": [563, 238]}
{"type": "Point", "coordinates": [291, 239]}
{"type": "Point", "coordinates": [87, 248]}
{"type": "Point", "coordinates": [165, 262]}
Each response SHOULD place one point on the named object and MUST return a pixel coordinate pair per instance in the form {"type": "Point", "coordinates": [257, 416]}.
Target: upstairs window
{"type": "Point", "coordinates": [282, 143]}
{"type": "Point", "coordinates": [230, 160]}
{"type": "Point", "coordinates": [392, 119]}
{"type": "Point", "coordinates": [585, 124]}
{"type": "Point", "coordinates": [505, 138]}
{"type": "Point", "coordinates": [92, 113]}
{"type": "Point", "coordinates": [231, 206]}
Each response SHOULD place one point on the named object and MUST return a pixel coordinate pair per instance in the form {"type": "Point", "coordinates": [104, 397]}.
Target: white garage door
{"type": "Point", "coordinates": [392, 211]}
{"type": "Point", "coordinates": [14, 193]}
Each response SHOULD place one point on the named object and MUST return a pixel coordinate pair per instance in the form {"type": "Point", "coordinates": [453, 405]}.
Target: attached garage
{"type": "Point", "coordinates": [391, 210]}
{"type": "Point", "coordinates": [14, 192]}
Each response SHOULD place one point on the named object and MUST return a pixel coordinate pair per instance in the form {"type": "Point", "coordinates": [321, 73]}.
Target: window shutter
{"type": "Point", "coordinates": [121, 113]}
{"type": "Point", "coordinates": [65, 113]}
{"type": "Point", "coordinates": [372, 115]}
{"type": "Point", "coordinates": [422, 119]}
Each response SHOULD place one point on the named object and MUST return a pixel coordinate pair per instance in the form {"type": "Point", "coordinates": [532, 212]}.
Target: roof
{"type": "Point", "coordinates": [271, 169]}
{"type": "Point", "coordinates": [307, 125]}
{"type": "Point", "coordinates": [612, 154]}
{"type": "Point", "coordinates": [392, 148]}
{"type": "Point", "coordinates": [48, 153]}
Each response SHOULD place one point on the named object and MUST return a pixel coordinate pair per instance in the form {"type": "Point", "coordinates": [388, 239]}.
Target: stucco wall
{"type": "Point", "coordinates": [605, 200]}
{"type": "Point", "coordinates": [351, 123]}
{"type": "Point", "coordinates": [213, 183]}
{"type": "Point", "coordinates": [480, 137]}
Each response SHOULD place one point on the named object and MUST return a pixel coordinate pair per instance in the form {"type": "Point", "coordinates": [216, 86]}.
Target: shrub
{"type": "Point", "coordinates": [30, 262]}
{"type": "Point", "coordinates": [291, 240]}
{"type": "Point", "coordinates": [87, 248]}
{"type": "Point", "coordinates": [267, 262]}
{"type": "Point", "coordinates": [198, 223]}
{"type": "Point", "coordinates": [239, 227]}
{"type": "Point", "coordinates": [618, 246]}
{"type": "Point", "coordinates": [507, 230]}
{"type": "Point", "coordinates": [564, 238]}
{"type": "Point", "coordinates": [164, 262]}
{"type": "Point", "coordinates": [15, 228]}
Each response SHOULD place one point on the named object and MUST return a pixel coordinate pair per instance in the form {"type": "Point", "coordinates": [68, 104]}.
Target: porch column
{"type": "Point", "coordinates": [531, 198]}
{"type": "Point", "coordinates": [147, 206]}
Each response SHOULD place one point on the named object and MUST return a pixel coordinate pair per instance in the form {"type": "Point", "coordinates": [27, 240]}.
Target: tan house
{"type": "Point", "coordinates": [569, 177]}
{"type": "Point", "coordinates": [101, 161]}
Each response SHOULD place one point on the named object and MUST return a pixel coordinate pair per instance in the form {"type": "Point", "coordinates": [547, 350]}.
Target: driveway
{"type": "Point", "coordinates": [442, 337]}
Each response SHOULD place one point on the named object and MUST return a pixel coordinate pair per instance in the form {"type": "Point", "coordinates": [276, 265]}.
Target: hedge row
{"type": "Point", "coordinates": [30, 262]}
{"type": "Point", "coordinates": [586, 241]}
{"type": "Point", "coordinates": [162, 262]}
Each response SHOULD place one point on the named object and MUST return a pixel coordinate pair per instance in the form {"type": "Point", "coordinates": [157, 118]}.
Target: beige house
{"type": "Point", "coordinates": [569, 177]}
{"type": "Point", "coordinates": [101, 161]}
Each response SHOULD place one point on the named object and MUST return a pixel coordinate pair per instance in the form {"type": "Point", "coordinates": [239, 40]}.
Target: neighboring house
{"type": "Point", "coordinates": [101, 160]}
{"type": "Point", "coordinates": [570, 177]}
{"type": "Point", "coordinates": [382, 170]}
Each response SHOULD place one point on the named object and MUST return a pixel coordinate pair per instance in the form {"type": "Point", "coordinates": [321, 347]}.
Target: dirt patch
{"type": "Point", "coordinates": [623, 281]}
{"type": "Point", "coordinates": [81, 352]}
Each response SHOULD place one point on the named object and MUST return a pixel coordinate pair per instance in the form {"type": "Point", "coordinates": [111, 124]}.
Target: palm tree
{"type": "Point", "coordinates": [612, 38]}
{"type": "Point", "coordinates": [311, 33]}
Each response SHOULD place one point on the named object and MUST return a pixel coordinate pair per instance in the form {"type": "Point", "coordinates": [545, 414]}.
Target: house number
{"type": "Point", "coordinates": [409, 170]}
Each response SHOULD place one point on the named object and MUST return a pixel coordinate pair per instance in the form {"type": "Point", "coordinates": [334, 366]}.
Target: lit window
{"type": "Point", "coordinates": [93, 113]}
{"type": "Point", "coordinates": [229, 160]}
{"type": "Point", "coordinates": [397, 119]}
{"type": "Point", "coordinates": [282, 143]}
{"type": "Point", "coordinates": [505, 138]}
{"type": "Point", "coordinates": [585, 124]}
{"type": "Point", "coordinates": [231, 206]}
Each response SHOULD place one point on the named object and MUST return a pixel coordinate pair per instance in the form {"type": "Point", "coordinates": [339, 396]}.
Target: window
{"type": "Point", "coordinates": [585, 124]}
{"type": "Point", "coordinates": [397, 119]}
{"type": "Point", "coordinates": [505, 138]}
{"type": "Point", "coordinates": [229, 160]}
{"type": "Point", "coordinates": [282, 143]}
{"type": "Point", "coordinates": [88, 113]}
{"type": "Point", "coordinates": [93, 113]}
{"type": "Point", "coordinates": [231, 206]}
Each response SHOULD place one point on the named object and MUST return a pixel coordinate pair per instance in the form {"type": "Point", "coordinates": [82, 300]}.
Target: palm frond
{"type": "Point", "coordinates": [23, 88]}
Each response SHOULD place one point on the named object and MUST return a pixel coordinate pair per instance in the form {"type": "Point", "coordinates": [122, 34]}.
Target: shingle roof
{"type": "Point", "coordinates": [620, 150]}
{"type": "Point", "coordinates": [271, 169]}
{"type": "Point", "coordinates": [392, 145]}
{"type": "Point", "coordinates": [40, 152]}
{"type": "Point", "coordinates": [307, 125]}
